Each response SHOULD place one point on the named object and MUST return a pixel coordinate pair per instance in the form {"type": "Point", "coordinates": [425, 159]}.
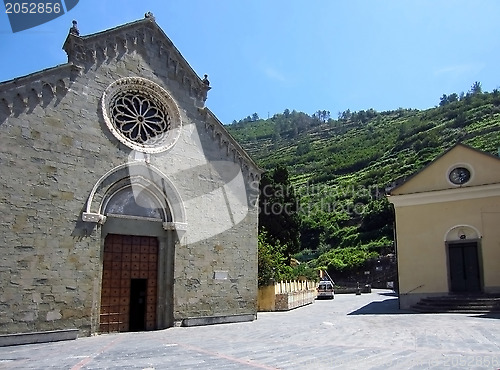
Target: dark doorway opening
{"type": "Point", "coordinates": [138, 299]}
{"type": "Point", "coordinates": [129, 283]}
{"type": "Point", "coordinates": [464, 268]}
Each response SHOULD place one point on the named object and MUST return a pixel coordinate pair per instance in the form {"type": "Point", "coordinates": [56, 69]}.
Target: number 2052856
{"type": "Point", "coordinates": [32, 8]}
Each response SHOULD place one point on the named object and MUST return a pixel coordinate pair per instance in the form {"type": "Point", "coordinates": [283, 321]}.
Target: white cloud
{"type": "Point", "coordinates": [274, 74]}
{"type": "Point", "coordinates": [460, 69]}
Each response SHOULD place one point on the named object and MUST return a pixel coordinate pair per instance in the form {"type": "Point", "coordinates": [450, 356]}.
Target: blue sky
{"type": "Point", "coordinates": [265, 56]}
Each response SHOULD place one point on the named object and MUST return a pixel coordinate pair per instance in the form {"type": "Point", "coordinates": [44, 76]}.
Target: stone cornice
{"type": "Point", "coordinates": [87, 51]}
{"type": "Point", "coordinates": [448, 195]}
{"type": "Point", "coordinates": [232, 148]}
{"type": "Point", "coordinates": [24, 93]}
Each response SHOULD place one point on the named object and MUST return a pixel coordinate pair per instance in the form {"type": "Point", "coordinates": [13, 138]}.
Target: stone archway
{"type": "Point", "coordinates": [138, 175]}
{"type": "Point", "coordinates": [142, 218]}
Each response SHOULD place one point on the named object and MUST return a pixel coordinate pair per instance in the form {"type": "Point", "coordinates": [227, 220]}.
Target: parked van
{"type": "Point", "coordinates": [325, 290]}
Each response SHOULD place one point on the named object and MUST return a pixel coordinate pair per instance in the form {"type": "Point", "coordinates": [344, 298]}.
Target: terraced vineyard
{"type": "Point", "coordinates": [340, 168]}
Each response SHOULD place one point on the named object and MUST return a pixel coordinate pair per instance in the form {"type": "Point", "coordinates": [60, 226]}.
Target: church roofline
{"type": "Point", "coordinates": [36, 88]}
{"type": "Point", "coordinates": [83, 50]}
{"type": "Point", "coordinates": [22, 81]}
{"type": "Point", "coordinates": [227, 139]}
{"type": "Point", "coordinates": [411, 177]}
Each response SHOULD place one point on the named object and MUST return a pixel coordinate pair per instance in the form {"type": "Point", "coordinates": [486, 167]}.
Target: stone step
{"type": "Point", "coordinates": [459, 304]}
{"type": "Point", "coordinates": [464, 298]}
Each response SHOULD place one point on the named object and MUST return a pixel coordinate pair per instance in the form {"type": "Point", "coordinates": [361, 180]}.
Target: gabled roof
{"type": "Point", "coordinates": [88, 50]}
{"type": "Point", "coordinates": [434, 176]}
{"type": "Point", "coordinates": [85, 51]}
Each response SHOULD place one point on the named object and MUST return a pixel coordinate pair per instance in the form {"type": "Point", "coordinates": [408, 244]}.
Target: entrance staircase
{"type": "Point", "coordinates": [468, 304]}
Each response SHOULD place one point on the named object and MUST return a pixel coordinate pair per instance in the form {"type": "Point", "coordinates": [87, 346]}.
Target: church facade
{"type": "Point", "coordinates": [125, 203]}
{"type": "Point", "coordinates": [447, 218]}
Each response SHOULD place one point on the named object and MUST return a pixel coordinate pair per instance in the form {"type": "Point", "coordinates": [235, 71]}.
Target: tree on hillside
{"type": "Point", "coordinates": [443, 100]}
{"type": "Point", "coordinates": [345, 115]}
{"type": "Point", "coordinates": [452, 98]}
{"type": "Point", "coordinates": [496, 97]}
{"type": "Point", "coordinates": [322, 115]}
{"type": "Point", "coordinates": [476, 88]}
{"type": "Point", "coordinates": [278, 213]}
{"type": "Point", "coordinates": [447, 99]}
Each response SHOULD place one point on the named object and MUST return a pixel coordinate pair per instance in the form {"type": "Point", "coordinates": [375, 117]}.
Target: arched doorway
{"type": "Point", "coordinates": [129, 286]}
{"type": "Point", "coordinates": [141, 215]}
{"type": "Point", "coordinates": [464, 267]}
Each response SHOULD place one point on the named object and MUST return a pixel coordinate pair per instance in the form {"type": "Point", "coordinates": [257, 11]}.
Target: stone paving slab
{"type": "Point", "coordinates": [349, 332]}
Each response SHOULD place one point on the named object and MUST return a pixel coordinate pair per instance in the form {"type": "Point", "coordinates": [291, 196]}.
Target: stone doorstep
{"type": "Point", "coordinates": [459, 304]}
{"type": "Point", "coordinates": [38, 337]}
{"type": "Point", "coordinates": [211, 320]}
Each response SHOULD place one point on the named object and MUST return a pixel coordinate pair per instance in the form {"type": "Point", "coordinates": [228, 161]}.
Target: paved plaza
{"type": "Point", "coordinates": [349, 332]}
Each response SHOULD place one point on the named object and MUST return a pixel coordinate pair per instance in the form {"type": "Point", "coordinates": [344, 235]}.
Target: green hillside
{"type": "Point", "coordinates": [341, 168]}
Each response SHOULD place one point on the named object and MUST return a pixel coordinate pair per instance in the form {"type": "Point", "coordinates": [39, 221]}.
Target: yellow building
{"type": "Point", "coordinates": [448, 227]}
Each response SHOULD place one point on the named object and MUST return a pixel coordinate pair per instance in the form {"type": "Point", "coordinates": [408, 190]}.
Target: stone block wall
{"type": "Point", "coordinates": [217, 276]}
{"type": "Point", "coordinates": [54, 147]}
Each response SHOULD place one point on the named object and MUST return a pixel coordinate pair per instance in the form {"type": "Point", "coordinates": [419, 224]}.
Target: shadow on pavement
{"type": "Point", "coordinates": [389, 306]}
{"type": "Point", "coordinates": [488, 316]}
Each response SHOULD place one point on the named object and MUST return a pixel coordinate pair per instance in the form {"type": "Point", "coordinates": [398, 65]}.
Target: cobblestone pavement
{"type": "Point", "coordinates": [349, 332]}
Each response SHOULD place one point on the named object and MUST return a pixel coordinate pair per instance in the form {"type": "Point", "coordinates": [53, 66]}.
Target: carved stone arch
{"type": "Point", "coordinates": [143, 177]}
{"type": "Point", "coordinates": [210, 129]}
{"type": "Point", "coordinates": [180, 73]}
{"type": "Point", "coordinates": [253, 176]}
{"type": "Point", "coordinates": [111, 48]}
{"type": "Point", "coordinates": [141, 36]}
{"type": "Point", "coordinates": [122, 46]}
{"type": "Point", "coordinates": [245, 168]}
{"type": "Point", "coordinates": [174, 65]}
{"type": "Point", "coordinates": [47, 94]}
{"type": "Point", "coordinates": [33, 99]}
{"type": "Point", "coordinates": [61, 88]}
{"type": "Point", "coordinates": [462, 232]}
{"type": "Point", "coordinates": [137, 197]}
{"type": "Point", "coordinates": [101, 52]}
{"type": "Point", "coordinates": [149, 35]}
{"type": "Point", "coordinates": [218, 137]}
{"type": "Point", "coordinates": [133, 38]}
{"type": "Point", "coordinates": [5, 107]}
{"type": "Point", "coordinates": [5, 110]}
{"type": "Point", "coordinates": [19, 104]}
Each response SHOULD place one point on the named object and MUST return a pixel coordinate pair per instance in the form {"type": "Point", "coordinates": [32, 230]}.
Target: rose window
{"type": "Point", "coordinates": [141, 114]}
{"type": "Point", "coordinates": [139, 119]}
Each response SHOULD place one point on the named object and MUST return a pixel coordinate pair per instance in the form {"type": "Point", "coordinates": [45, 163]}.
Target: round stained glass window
{"type": "Point", "coordinates": [141, 114]}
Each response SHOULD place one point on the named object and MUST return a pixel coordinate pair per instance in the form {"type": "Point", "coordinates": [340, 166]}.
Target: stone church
{"type": "Point", "coordinates": [125, 204]}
